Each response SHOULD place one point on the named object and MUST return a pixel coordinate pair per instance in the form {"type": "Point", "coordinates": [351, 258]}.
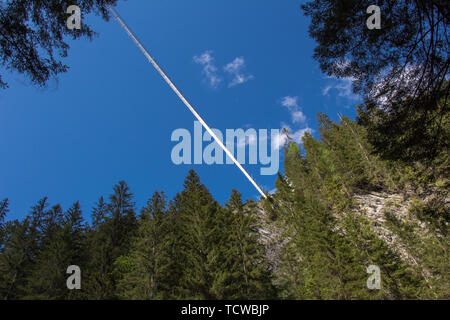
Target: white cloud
{"type": "Point", "coordinates": [292, 104]}
{"type": "Point", "coordinates": [247, 140]}
{"type": "Point", "coordinates": [402, 80]}
{"type": "Point", "coordinates": [298, 135]}
{"type": "Point", "coordinates": [235, 68]}
{"type": "Point", "coordinates": [343, 87]}
{"type": "Point", "coordinates": [326, 90]}
{"type": "Point", "coordinates": [209, 69]}
{"type": "Point", "coordinates": [289, 102]}
{"type": "Point", "coordinates": [279, 140]}
{"type": "Point", "coordinates": [298, 117]}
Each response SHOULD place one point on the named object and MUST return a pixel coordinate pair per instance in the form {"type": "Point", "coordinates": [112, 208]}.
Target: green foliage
{"type": "Point", "coordinates": [193, 248]}
{"type": "Point", "coordinates": [330, 243]}
{"type": "Point", "coordinates": [3, 212]}
{"type": "Point", "coordinates": [19, 249]}
{"type": "Point", "coordinates": [32, 35]}
{"type": "Point", "coordinates": [62, 244]}
{"type": "Point", "coordinates": [425, 234]}
{"type": "Point", "coordinates": [147, 268]}
{"type": "Point", "coordinates": [400, 70]}
{"type": "Point", "coordinates": [410, 136]}
{"type": "Point", "coordinates": [247, 274]}
{"type": "Point", "coordinates": [201, 218]}
{"type": "Point", "coordinates": [110, 240]}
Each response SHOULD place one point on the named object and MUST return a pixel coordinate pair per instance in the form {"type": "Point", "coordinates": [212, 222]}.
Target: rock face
{"type": "Point", "coordinates": [270, 236]}
{"type": "Point", "coordinates": [373, 206]}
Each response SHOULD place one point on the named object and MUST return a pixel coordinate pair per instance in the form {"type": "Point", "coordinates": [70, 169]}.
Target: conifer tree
{"type": "Point", "coordinates": [96, 283]}
{"type": "Point", "coordinates": [63, 244]}
{"type": "Point", "coordinates": [247, 274]}
{"type": "Point", "coordinates": [99, 213]}
{"type": "Point", "coordinates": [74, 236]}
{"type": "Point", "coordinates": [145, 268]}
{"type": "Point", "coordinates": [194, 248]}
{"type": "Point", "coordinates": [3, 212]}
{"type": "Point", "coordinates": [201, 239]}
{"type": "Point", "coordinates": [329, 245]}
{"type": "Point", "coordinates": [110, 240]}
{"type": "Point", "coordinates": [16, 259]}
{"type": "Point", "coordinates": [20, 248]}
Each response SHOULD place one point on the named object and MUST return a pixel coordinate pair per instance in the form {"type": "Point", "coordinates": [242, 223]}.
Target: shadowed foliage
{"type": "Point", "coordinates": [32, 35]}
{"type": "Point", "coordinates": [400, 69]}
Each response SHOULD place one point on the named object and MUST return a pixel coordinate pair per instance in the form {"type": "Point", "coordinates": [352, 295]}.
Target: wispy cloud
{"type": "Point", "coordinates": [235, 69]}
{"type": "Point", "coordinates": [343, 88]}
{"type": "Point", "coordinates": [289, 102]}
{"type": "Point", "coordinates": [247, 140]}
{"type": "Point", "coordinates": [296, 113]}
{"type": "Point", "coordinates": [298, 117]}
{"type": "Point", "coordinates": [299, 120]}
{"type": "Point", "coordinates": [279, 140]}
{"type": "Point", "coordinates": [296, 135]}
{"type": "Point", "coordinates": [209, 69]}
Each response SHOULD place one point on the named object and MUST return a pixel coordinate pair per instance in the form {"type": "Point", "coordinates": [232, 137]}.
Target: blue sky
{"type": "Point", "coordinates": [240, 63]}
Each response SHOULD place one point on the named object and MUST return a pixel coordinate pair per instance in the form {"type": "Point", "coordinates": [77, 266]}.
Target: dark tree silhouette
{"type": "Point", "coordinates": [32, 35]}
{"type": "Point", "coordinates": [400, 69]}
